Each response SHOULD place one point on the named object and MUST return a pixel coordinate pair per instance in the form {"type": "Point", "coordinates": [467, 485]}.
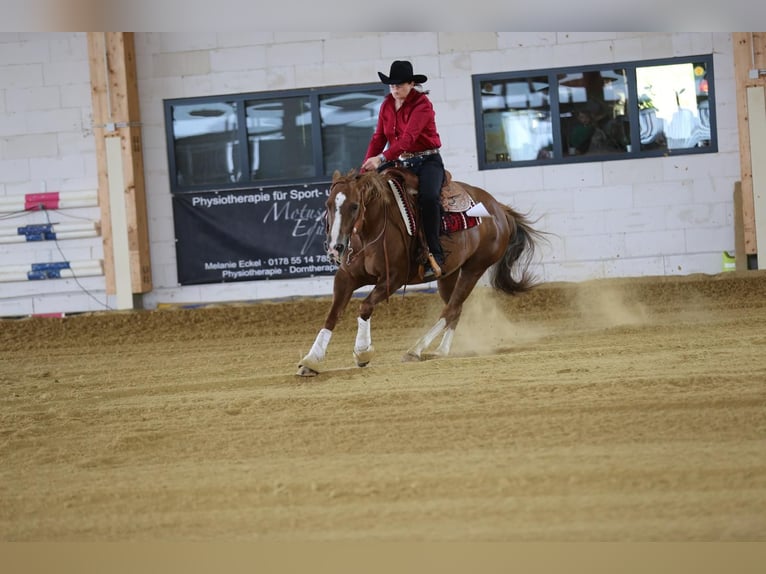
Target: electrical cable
{"type": "Point", "coordinates": [74, 276]}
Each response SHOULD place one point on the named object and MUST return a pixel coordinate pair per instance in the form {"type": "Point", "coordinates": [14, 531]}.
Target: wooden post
{"type": "Point", "coordinates": [756, 110]}
{"type": "Point", "coordinates": [749, 53]}
{"type": "Point", "coordinates": [119, 223]}
{"type": "Point", "coordinates": [114, 94]}
{"type": "Point", "coordinates": [99, 102]}
{"type": "Point", "coordinates": [740, 257]}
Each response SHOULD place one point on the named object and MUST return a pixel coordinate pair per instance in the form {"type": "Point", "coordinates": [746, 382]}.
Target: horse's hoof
{"type": "Point", "coordinates": [306, 372]}
{"type": "Point", "coordinates": [308, 367]}
{"type": "Point", "coordinates": [411, 357]}
{"type": "Point", "coordinates": [363, 358]}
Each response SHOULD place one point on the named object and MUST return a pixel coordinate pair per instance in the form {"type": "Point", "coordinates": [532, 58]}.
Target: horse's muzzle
{"type": "Point", "coordinates": [336, 251]}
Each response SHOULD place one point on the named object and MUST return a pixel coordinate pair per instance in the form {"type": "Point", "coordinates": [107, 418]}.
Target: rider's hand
{"type": "Point", "coordinates": [371, 164]}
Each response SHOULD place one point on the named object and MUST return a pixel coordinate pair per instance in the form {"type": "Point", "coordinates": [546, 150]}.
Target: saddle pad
{"type": "Point", "coordinates": [452, 222]}
{"type": "Point", "coordinates": [404, 205]}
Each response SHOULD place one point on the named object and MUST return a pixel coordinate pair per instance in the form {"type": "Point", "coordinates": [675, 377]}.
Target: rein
{"type": "Point", "coordinates": [367, 244]}
{"type": "Point", "coordinates": [353, 255]}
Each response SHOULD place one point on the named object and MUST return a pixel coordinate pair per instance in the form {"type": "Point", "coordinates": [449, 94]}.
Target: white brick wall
{"type": "Point", "coordinates": [46, 144]}
{"type": "Point", "coordinates": [659, 216]}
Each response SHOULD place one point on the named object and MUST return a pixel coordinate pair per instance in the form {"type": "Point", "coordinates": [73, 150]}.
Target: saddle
{"type": "Point", "coordinates": [455, 202]}
{"type": "Point", "coordinates": [454, 197]}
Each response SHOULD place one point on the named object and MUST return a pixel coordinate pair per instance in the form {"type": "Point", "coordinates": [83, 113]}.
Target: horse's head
{"type": "Point", "coordinates": [343, 209]}
{"type": "Point", "coordinates": [351, 197]}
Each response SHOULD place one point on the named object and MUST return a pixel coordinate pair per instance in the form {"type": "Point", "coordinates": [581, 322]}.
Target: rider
{"type": "Point", "coordinates": [407, 125]}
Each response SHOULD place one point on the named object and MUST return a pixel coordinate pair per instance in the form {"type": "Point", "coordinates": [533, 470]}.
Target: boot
{"type": "Point", "coordinates": [429, 273]}
{"type": "Point", "coordinates": [432, 227]}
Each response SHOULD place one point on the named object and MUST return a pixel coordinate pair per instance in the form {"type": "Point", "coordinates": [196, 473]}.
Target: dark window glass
{"type": "Point", "coordinates": [279, 138]}
{"type": "Point", "coordinates": [516, 118]}
{"type": "Point", "coordinates": [595, 113]}
{"type": "Point", "coordinates": [206, 143]}
{"type": "Point", "coordinates": [298, 136]}
{"type": "Point", "coordinates": [347, 122]}
{"type": "Point", "coordinates": [592, 112]}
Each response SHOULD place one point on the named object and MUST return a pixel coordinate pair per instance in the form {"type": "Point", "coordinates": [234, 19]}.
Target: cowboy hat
{"type": "Point", "coordinates": [401, 72]}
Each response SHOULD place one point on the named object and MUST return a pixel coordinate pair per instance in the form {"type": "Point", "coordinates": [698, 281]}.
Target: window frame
{"type": "Point", "coordinates": [313, 94]}
{"type": "Point", "coordinates": [558, 157]}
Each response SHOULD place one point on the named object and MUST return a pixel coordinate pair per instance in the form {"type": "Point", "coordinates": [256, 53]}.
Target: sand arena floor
{"type": "Point", "coordinates": [615, 410]}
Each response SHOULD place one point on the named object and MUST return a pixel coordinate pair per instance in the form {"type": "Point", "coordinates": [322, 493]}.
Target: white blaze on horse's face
{"type": "Point", "coordinates": [335, 244]}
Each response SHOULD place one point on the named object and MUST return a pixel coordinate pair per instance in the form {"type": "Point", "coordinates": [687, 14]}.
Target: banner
{"type": "Point", "coordinates": [250, 235]}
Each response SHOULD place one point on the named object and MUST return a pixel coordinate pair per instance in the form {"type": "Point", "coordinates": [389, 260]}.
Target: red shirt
{"type": "Point", "coordinates": [412, 128]}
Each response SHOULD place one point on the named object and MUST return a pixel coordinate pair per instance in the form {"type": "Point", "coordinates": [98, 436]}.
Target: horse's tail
{"type": "Point", "coordinates": [512, 274]}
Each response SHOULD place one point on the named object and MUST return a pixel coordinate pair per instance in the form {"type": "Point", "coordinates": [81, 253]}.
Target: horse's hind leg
{"type": "Point", "coordinates": [454, 295]}
{"type": "Point", "coordinates": [416, 351]}
{"type": "Point", "coordinates": [446, 343]}
{"type": "Point", "coordinates": [446, 287]}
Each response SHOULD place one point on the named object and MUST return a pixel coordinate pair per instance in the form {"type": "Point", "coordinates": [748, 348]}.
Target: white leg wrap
{"type": "Point", "coordinates": [426, 339]}
{"type": "Point", "coordinates": [446, 344]}
{"type": "Point", "coordinates": [319, 348]}
{"type": "Point", "coordinates": [363, 339]}
{"type": "Point", "coordinates": [434, 332]}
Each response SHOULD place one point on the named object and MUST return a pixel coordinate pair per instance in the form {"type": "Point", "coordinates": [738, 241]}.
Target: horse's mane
{"type": "Point", "coordinates": [374, 186]}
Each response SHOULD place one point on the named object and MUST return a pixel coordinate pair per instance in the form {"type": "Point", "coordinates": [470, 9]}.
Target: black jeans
{"type": "Point", "coordinates": [430, 172]}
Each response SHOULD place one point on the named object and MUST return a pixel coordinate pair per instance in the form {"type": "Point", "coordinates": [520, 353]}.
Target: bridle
{"type": "Point", "coordinates": [352, 255]}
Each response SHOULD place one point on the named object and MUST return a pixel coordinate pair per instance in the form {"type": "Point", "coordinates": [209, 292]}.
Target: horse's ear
{"type": "Point", "coordinates": [336, 176]}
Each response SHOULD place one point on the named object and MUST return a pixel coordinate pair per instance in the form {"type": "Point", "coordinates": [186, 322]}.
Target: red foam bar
{"type": "Point", "coordinates": [49, 315]}
{"type": "Point", "coordinates": [48, 200]}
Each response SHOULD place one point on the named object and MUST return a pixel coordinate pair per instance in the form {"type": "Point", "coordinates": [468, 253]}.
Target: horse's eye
{"type": "Point", "coordinates": [354, 206]}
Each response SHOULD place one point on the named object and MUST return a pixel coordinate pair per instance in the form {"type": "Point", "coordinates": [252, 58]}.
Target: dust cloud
{"type": "Point", "coordinates": [605, 306]}
{"type": "Point", "coordinates": [487, 327]}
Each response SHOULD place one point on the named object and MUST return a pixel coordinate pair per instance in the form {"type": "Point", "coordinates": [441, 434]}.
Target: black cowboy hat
{"type": "Point", "coordinates": [401, 72]}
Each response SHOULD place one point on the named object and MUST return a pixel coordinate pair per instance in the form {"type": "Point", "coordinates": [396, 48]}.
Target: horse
{"type": "Point", "coordinates": [373, 235]}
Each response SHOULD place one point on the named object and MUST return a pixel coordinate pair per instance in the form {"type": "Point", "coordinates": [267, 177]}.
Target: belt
{"type": "Point", "coordinates": [410, 154]}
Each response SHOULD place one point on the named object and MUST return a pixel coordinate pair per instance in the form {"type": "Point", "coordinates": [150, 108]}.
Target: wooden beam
{"type": "Point", "coordinates": [759, 52]}
{"type": "Point", "coordinates": [756, 111]}
{"type": "Point", "coordinates": [749, 54]}
{"type": "Point", "coordinates": [100, 104]}
{"type": "Point", "coordinates": [740, 257]}
{"type": "Point", "coordinates": [742, 45]}
{"type": "Point", "coordinates": [114, 89]}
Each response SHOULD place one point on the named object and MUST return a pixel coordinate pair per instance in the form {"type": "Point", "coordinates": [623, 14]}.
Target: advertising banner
{"type": "Point", "coordinates": [251, 235]}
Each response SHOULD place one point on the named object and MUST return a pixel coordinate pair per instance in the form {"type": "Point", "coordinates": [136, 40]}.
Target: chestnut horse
{"type": "Point", "coordinates": [373, 238]}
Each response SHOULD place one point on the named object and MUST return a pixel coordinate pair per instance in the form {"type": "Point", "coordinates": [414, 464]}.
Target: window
{"type": "Point", "coordinates": [595, 113]}
{"type": "Point", "coordinates": [232, 142]}
{"type": "Point", "coordinates": [206, 138]}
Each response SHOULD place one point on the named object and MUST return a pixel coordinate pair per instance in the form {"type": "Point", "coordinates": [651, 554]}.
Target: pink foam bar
{"type": "Point", "coordinates": [49, 200]}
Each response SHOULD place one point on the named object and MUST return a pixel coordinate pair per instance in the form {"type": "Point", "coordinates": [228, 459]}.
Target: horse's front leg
{"type": "Point", "coordinates": [343, 288]}
{"type": "Point", "coordinates": [363, 349]}
{"type": "Point", "coordinates": [309, 365]}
